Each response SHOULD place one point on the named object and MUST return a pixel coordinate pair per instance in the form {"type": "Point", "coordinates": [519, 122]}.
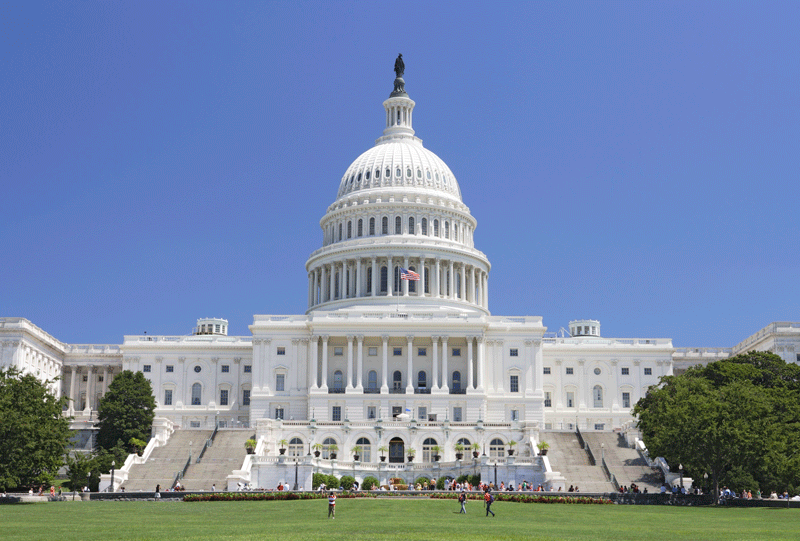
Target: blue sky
{"type": "Point", "coordinates": [632, 162]}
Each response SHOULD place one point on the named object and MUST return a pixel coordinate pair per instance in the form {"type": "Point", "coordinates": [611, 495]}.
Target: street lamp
{"type": "Point", "coordinates": [705, 483]}
{"type": "Point", "coordinates": [603, 451]}
{"type": "Point", "coordinates": [680, 470]}
{"type": "Point", "coordinates": [295, 474]}
{"type": "Point", "coordinates": [495, 474]}
{"type": "Point", "coordinates": [113, 464]}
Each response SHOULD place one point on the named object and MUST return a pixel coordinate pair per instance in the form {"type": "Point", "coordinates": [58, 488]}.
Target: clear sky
{"type": "Point", "coordinates": [632, 162]}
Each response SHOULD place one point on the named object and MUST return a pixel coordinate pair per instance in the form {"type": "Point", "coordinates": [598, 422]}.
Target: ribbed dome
{"type": "Point", "coordinates": [400, 162]}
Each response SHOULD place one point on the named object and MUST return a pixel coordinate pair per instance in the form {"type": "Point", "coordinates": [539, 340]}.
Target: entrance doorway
{"type": "Point", "coordinates": [396, 450]}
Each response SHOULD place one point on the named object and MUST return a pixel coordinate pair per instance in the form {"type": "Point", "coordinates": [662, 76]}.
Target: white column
{"type": "Point", "coordinates": [349, 387]}
{"type": "Point", "coordinates": [266, 371]}
{"type": "Point", "coordinates": [359, 279]}
{"type": "Point", "coordinates": [530, 370]}
{"type": "Point", "coordinates": [614, 392]}
{"type": "Point", "coordinates": [404, 283]}
{"type": "Point", "coordinates": [314, 361]}
{"type": "Point", "coordinates": [559, 387]}
{"type": "Point", "coordinates": [481, 362]}
{"type": "Point", "coordinates": [105, 379]}
{"type": "Point", "coordinates": [497, 362]}
{"type": "Point", "coordinates": [437, 280]}
{"type": "Point", "coordinates": [323, 284]}
{"type": "Point", "coordinates": [324, 385]}
{"type": "Point", "coordinates": [445, 372]}
{"type": "Point", "coordinates": [296, 360]}
{"type": "Point", "coordinates": [332, 283]}
{"type": "Point", "coordinates": [389, 276]}
{"type": "Point", "coordinates": [582, 402]}
{"type": "Point", "coordinates": [479, 288]}
{"type": "Point", "coordinates": [470, 379]}
{"type": "Point", "coordinates": [89, 389]}
{"type": "Point", "coordinates": [435, 374]}
{"type": "Point", "coordinates": [486, 290]}
{"type": "Point", "coordinates": [385, 369]}
{"type": "Point", "coordinates": [422, 276]}
{"type": "Point", "coordinates": [375, 277]}
{"type": "Point", "coordinates": [409, 383]}
{"type": "Point", "coordinates": [637, 390]}
{"type": "Point", "coordinates": [452, 281]}
{"type": "Point", "coordinates": [310, 279]}
{"type": "Point", "coordinates": [360, 365]}
{"type": "Point", "coordinates": [75, 373]}
{"type": "Point", "coordinates": [463, 282]}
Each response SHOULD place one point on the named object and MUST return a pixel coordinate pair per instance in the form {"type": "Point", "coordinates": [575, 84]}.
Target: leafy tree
{"type": "Point", "coordinates": [735, 419]}
{"type": "Point", "coordinates": [34, 434]}
{"type": "Point", "coordinates": [369, 483]}
{"type": "Point", "coordinates": [347, 482]}
{"type": "Point", "coordinates": [126, 412]}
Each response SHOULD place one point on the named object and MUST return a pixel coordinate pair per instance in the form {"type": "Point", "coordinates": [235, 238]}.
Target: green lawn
{"type": "Point", "coordinates": [387, 519]}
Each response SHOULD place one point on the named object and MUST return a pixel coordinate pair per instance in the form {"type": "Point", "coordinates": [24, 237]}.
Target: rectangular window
{"type": "Point", "coordinates": [514, 385]}
{"type": "Point", "coordinates": [85, 377]}
{"type": "Point", "coordinates": [371, 412]}
{"type": "Point", "coordinates": [372, 351]}
{"type": "Point", "coordinates": [194, 424]}
{"type": "Point", "coordinates": [626, 400]}
{"type": "Point", "coordinates": [398, 352]}
{"type": "Point", "coordinates": [223, 397]}
{"type": "Point", "coordinates": [515, 415]}
{"type": "Point", "coordinates": [569, 371]}
{"type": "Point", "coordinates": [422, 413]}
{"type": "Point", "coordinates": [281, 351]}
{"type": "Point", "coordinates": [279, 382]}
{"type": "Point", "coordinates": [279, 413]}
{"type": "Point", "coordinates": [548, 399]}
{"type": "Point", "coordinates": [546, 370]}
{"type": "Point", "coordinates": [248, 368]}
{"type": "Point", "coordinates": [513, 352]}
{"type": "Point", "coordinates": [170, 368]}
{"type": "Point", "coordinates": [457, 414]}
{"type": "Point", "coordinates": [338, 351]}
{"type": "Point", "coordinates": [336, 413]}
{"type": "Point", "coordinates": [246, 397]}
{"type": "Point", "coordinates": [422, 352]}
{"type": "Point", "coordinates": [146, 368]}
{"type": "Point", "coordinates": [570, 399]}
{"type": "Point", "coordinates": [456, 352]}
{"type": "Point", "coordinates": [167, 397]}
{"type": "Point", "coordinates": [226, 368]}
{"type": "Point", "coordinates": [625, 371]}
{"type": "Point", "coordinates": [648, 371]}
{"type": "Point", "coordinates": [599, 426]}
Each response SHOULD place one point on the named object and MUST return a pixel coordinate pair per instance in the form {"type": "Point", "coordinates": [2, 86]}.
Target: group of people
{"type": "Point", "coordinates": [633, 489]}
{"type": "Point", "coordinates": [488, 500]}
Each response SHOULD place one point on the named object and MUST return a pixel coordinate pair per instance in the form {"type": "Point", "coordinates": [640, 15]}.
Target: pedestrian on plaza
{"type": "Point", "coordinates": [488, 499]}
{"type": "Point", "coordinates": [462, 499]}
{"type": "Point", "coordinates": [331, 505]}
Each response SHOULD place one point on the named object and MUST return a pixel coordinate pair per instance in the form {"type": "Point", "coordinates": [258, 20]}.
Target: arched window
{"type": "Point", "coordinates": [326, 452]}
{"type": "Point", "coordinates": [336, 287]}
{"type": "Point", "coordinates": [197, 394]}
{"type": "Point", "coordinates": [366, 449]}
{"type": "Point", "coordinates": [377, 173]}
{"type": "Point", "coordinates": [340, 231]}
{"type": "Point", "coordinates": [397, 380]}
{"type": "Point", "coordinates": [465, 442]}
{"type": "Point", "coordinates": [422, 380]}
{"type": "Point", "coordinates": [372, 226]}
{"type": "Point", "coordinates": [597, 393]}
{"type": "Point", "coordinates": [397, 286]}
{"type": "Point", "coordinates": [424, 224]}
{"type": "Point", "coordinates": [398, 173]}
{"type": "Point", "coordinates": [337, 380]}
{"type": "Point", "coordinates": [412, 284]}
{"type": "Point", "coordinates": [388, 173]}
{"type": "Point", "coordinates": [398, 225]}
{"type": "Point", "coordinates": [397, 450]}
{"type": "Point", "coordinates": [384, 279]}
{"type": "Point", "coordinates": [366, 175]}
{"type": "Point", "coordinates": [372, 381]}
{"type": "Point", "coordinates": [369, 280]}
{"type": "Point", "coordinates": [427, 453]}
{"type": "Point", "coordinates": [447, 230]}
{"type": "Point", "coordinates": [411, 225]}
{"type": "Point", "coordinates": [455, 232]}
{"type": "Point", "coordinates": [295, 447]}
{"type": "Point", "coordinates": [497, 448]}
{"type": "Point", "coordinates": [349, 229]}
{"type": "Point", "coordinates": [435, 228]}
{"type": "Point", "coordinates": [408, 172]}
{"type": "Point", "coordinates": [360, 227]}
{"type": "Point", "coordinates": [385, 226]}
{"type": "Point", "coordinates": [456, 387]}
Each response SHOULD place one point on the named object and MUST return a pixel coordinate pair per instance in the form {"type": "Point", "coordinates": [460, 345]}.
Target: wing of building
{"type": "Point", "coordinates": [379, 360]}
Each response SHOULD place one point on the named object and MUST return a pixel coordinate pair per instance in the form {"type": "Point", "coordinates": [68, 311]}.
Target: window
{"type": "Point", "coordinates": [548, 399]}
{"type": "Point", "coordinates": [497, 449]}
{"type": "Point", "coordinates": [411, 225]}
{"type": "Point", "coordinates": [456, 352]}
{"type": "Point", "coordinates": [85, 378]}
{"type": "Point", "coordinates": [226, 368]}
{"type": "Point", "coordinates": [597, 371]}
{"type": "Point", "coordinates": [456, 381]}
{"type": "Point", "coordinates": [570, 399]}
{"type": "Point", "coordinates": [248, 368]}
{"type": "Point", "coordinates": [514, 383]}
{"type": "Point", "coordinates": [366, 449]}
{"type": "Point", "coordinates": [372, 381]}
{"type": "Point", "coordinates": [372, 226]}
{"type": "Point", "coordinates": [398, 225]}
{"type": "Point", "coordinates": [427, 453]}
{"type": "Point", "coordinates": [546, 370]}
{"type": "Point", "coordinates": [626, 400]}
{"type": "Point", "coordinates": [146, 368]}
{"type": "Point", "coordinates": [246, 397]}
{"type": "Point", "coordinates": [436, 228]}
{"type": "Point", "coordinates": [597, 394]}
{"type": "Point", "coordinates": [223, 397]}
{"type": "Point", "coordinates": [372, 351]}
{"type": "Point", "coordinates": [515, 415]}
{"type": "Point", "coordinates": [397, 352]}
{"type": "Point", "coordinates": [336, 413]}
{"type": "Point", "coordinates": [337, 380]}
{"type": "Point", "coordinates": [385, 226]}
{"type": "Point", "coordinates": [295, 447]}
{"type": "Point", "coordinates": [422, 379]}
{"type": "Point", "coordinates": [422, 413]}
{"type": "Point", "coordinates": [369, 280]}
{"type": "Point", "coordinates": [360, 227]}
{"type": "Point", "coordinates": [194, 424]}
{"type": "Point", "coordinates": [371, 412]}
{"type": "Point", "coordinates": [280, 382]}
{"type": "Point", "coordinates": [513, 352]}
{"type": "Point", "coordinates": [625, 371]}
{"type": "Point", "coordinates": [281, 350]}
{"type": "Point", "coordinates": [384, 279]}
{"type": "Point", "coordinates": [326, 453]}
{"type": "Point", "coordinates": [397, 380]}
{"type": "Point", "coordinates": [338, 351]}
{"type": "Point", "coordinates": [197, 391]}
{"type": "Point", "coordinates": [279, 412]}
{"type": "Point", "coordinates": [340, 231]}
{"type": "Point", "coordinates": [447, 230]}
{"type": "Point", "coordinates": [457, 417]}
{"type": "Point", "coordinates": [424, 226]}
{"type": "Point", "coordinates": [648, 371]}
{"type": "Point", "coordinates": [599, 426]}
{"type": "Point", "coordinates": [349, 230]}
{"type": "Point", "coordinates": [170, 368]}
{"type": "Point", "coordinates": [570, 371]}
{"type": "Point", "coordinates": [197, 369]}
{"type": "Point", "coordinates": [167, 397]}
{"type": "Point", "coordinates": [422, 352]}
{"type": "Point", "coordinates": [412, 284]}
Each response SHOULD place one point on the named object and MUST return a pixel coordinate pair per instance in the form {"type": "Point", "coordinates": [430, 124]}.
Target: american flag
{"type": "Point", "coordinates": [408, 275]}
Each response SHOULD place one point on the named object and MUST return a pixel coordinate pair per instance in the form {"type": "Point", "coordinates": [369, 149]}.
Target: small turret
{"type": "Point", "coordinates": [584, 327]}
{"type": "Point", "coordinates": [211, 325]}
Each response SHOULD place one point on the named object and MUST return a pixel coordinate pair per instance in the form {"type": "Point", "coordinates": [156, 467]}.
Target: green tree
{"type": "Point", "coordinates": [34, 434]}
{"type": "Point", "coordinates": [126, 412]}
{"type": "Point", "coordinates": [735, 419]}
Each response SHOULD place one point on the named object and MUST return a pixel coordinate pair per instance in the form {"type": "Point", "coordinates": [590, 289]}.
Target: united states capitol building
{"type": "Point", "coordinates": [389, 366]}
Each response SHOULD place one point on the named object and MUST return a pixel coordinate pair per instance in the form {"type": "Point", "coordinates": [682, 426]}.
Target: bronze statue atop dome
{"type": "Point", "coordinates": [399, 66]}
{"type": "Point", "coordinates": [399, 83]}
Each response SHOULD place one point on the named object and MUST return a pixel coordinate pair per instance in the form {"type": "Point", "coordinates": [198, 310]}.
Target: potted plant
{"type": "Point", "coordinates": [436, 450]}
{"type": "Point", "coordinates": [383, 450]}
{"type": "Point", "coordinates": [459, 447]}
{"type": "Point", "coordinates": [317, 449]}
{"type": "Point", "coordinates": [356, 450]}
{"type": "Point", "coordinates": [250, 445]}
{"type": "Point", "coordinates": [476, 448]}
{"type": "Point", "coordinates": [332, 448]}
{"type": "Point", "coordinates": [543, 447]}
{"type": "Point", "coordinates": [411, 452]}
{"type": "Point", "coordinates": [283, 444]}
{"type": "Point", "coordinates": [511, 444]}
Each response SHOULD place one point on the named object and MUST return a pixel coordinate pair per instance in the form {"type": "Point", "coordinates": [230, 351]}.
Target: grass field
{"type": "Point", "coordinates": [387, 519]}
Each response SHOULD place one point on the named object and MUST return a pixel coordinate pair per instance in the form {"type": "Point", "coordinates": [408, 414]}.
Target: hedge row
{"type": "Point", "coordinates": [286, 496]}
{"type": "Point", "coordinates": [524, 498]}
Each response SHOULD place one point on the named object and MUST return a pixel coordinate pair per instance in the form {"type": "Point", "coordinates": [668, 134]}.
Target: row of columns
{"type": "Point", "coordinates": [435, 226]}
{"type": "Point", "coordinates": [353, 280]}
{"type": "Point", "coordinates": [319, 382]}
{"type": "Point", "coordinates": [74, 385]}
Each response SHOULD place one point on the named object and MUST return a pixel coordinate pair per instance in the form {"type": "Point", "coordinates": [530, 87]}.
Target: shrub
{"type": "Point", "coordinates": [440, 483]}
{"type": "Point", "coordinates": [331, 481]}
{"type": "Point", "coordinates": [422, 480]}
{"type": "Point", "coordinates": [369, 483]}
{"type": "Point", "coordinates": [347, 482]}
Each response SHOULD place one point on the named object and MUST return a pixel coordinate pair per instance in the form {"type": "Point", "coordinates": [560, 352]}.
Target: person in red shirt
{"type": "Point", "coordinates": [332, 505]}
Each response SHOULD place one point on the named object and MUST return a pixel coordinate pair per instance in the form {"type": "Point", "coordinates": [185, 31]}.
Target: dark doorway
{"type": "Point", "coordinates": [396, 450]}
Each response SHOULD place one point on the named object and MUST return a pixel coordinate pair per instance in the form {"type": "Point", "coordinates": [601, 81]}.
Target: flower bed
{"type": "Point", "coordinates": [526, 498]}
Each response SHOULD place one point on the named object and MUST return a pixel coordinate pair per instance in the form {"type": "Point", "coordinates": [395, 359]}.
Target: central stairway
{"type": "Point", "coordinates": [226, 454]}
{"type": "Point", "coordinates": [166, 461]}
{"type": "Point", "coordinates": [625, 463]}
{"type": "Point", "coordinates": [568, 457]}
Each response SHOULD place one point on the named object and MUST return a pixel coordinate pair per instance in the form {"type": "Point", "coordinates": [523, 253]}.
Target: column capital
{"type": "Point", "coordinates": [529, 342]}
{"type": "Point", "coordinates": [350, 337]}
{"type": "Point", "coordinates": [295, 341]}
{"type": "Point", "coordinates": [444, 339]}
{"type": "Point", "coordinates": [614, 362]}
{"type": "Point", "coordinates": [480, 339]}
{"type": "Point", "coordinates": [385, 338]}
{"type": "Point", "coordinates": [637, 362]}
{"type": "Point", "coordinates": [434, 339]}
{"type": "Point", "coordinates": [325, 338]}
{"type": "Point", "coordinates": [360, 338]}
{"type": "Point", "coordinates": [410, 338]}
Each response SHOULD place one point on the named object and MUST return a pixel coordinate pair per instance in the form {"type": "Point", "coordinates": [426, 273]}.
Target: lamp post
{"type": "Point", "coordinates": [680, 470]}
{"type": "Point", "coordinates": [111, 488]}
{"type": "Point", "coordinates": [603, 451]}
{"type": "Point", "coordinates": [295, 474]}
{"type": "Point", "coordinates": [705, 483]}
{"type": "Point", "coordinates": [495, 474]}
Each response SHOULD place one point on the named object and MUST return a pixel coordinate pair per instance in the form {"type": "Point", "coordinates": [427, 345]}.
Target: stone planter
{"type": "Point", "coordinates": [459, 456]}
{"type": "Point", "coordinates": [510, 452]}
{"type": "Point", "coordinates": [282, 451]}
{"type": "Point", "coordinates": [383, 459]}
